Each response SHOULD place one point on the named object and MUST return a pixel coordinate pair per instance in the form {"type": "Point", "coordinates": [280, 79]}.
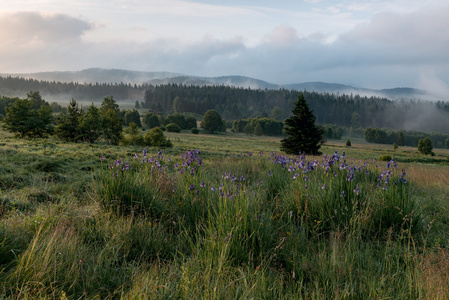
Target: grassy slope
{"type": "Point", "coordinates": [57, 241]}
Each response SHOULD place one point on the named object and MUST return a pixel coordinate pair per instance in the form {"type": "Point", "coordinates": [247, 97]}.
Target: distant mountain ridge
{"type": "Point", "coordinates": [98, 75]}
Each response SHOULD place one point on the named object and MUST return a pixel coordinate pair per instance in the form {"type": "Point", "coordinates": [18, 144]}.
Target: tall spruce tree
{"type": "Point", "coordinates": [304, 135]}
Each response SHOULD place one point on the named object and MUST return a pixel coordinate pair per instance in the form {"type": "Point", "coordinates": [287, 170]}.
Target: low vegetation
{"type": "Point", "coordinates": [234, 220]}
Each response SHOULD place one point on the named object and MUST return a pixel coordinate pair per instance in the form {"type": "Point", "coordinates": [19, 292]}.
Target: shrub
{"type": "Point", "coordinates": [385, 158]}
{"type": "Point", "coordinates": [156, 137]}
{"type": "Point", "coordinates": [425, 146]}
{"type": "Point", "coordinates": [195, 130]}
{"type": "Point", "coordinates": [173, 127]}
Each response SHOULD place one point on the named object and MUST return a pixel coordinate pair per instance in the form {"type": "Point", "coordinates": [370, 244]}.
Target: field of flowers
{"type": "Point", "coordinates": [113, 222]}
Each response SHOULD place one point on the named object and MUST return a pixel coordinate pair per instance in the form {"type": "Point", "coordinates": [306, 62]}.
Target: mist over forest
{"type": "Point", "coordinates": [238, 97]}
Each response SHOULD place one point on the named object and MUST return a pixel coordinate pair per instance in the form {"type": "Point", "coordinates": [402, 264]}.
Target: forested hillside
{"type": "Point", "coordinates": [343, 110]}
{"type": "Point", "coordinates": [235, 103]}
{"type": "Point", "coordinates": [61, 91]}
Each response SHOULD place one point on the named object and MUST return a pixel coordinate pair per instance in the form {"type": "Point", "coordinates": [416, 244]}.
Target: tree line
{"type": "Point", "coordinates": [241, 103]}
{"type": "Point", "coordinates": [81, 91]}
{"type": "Point", "coordinates": [342, 110]}
{"type": "Point", "coordinates": [33, 117]}
{"type": "Point", "coordinates": [405, 138]}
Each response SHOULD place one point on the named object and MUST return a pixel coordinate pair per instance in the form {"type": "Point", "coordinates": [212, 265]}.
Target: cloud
{"type": "Point", "coordinates": [282, 35]}
{"type": "Point", "coordinates": [422, 30]}
{"type": "Point", "coordinates": [391, 49]}
{"type": "Point", "coordinates": [33, 27]}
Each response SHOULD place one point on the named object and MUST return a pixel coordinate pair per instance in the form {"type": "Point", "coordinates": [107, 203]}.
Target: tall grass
{"type": "Point", "coordinates": [154, 225]}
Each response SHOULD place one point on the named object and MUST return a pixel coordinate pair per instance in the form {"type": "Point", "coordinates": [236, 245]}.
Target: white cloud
{"type": "Point", "coordinates": [282, 35]}
{"type": "Point", "coordinates": [387, 49]}
{"type": "Point", "coordinates": [32, 27]}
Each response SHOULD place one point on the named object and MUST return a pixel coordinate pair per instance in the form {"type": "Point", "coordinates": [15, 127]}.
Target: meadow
{"type": "Point", "coordinates": [223, 216]}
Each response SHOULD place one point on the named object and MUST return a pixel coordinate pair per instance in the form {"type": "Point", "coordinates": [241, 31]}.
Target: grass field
{"type": "Point", "coordinates": [235, 220]}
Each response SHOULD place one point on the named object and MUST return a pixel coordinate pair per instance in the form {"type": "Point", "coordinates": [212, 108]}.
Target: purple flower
{"type": "Point", "coordinates": [356, 190]}
{"type": "Point", "coordinates": [212, 189]}
{"type": "Point", "coordinates": [192, 187]}
{"type": "Point", "coordinates": [202, 185]}
{"type": "Point", "coordinates": [126, 166]}
{"type": "Point", "coordinates": [323, 187]}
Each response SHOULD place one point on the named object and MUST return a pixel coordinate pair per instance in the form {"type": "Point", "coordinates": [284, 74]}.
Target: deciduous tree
{"type": "Point", "coordinates": [24, 120]}
{"type": "Point", "coordinates": [212, 121]}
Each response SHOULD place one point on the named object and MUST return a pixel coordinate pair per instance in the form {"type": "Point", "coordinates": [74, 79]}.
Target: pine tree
{"type": "Point", "coordinates": [67, 123]}
{"type": "Point", "coordinates": [304, 135]}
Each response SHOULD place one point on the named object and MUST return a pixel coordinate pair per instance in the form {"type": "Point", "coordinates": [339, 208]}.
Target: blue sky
{"type": "Point", "coordinates": [373, 43]}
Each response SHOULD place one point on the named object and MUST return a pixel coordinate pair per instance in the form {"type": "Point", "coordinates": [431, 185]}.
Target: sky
{"type": "Point", "coordinates": [371, 43]}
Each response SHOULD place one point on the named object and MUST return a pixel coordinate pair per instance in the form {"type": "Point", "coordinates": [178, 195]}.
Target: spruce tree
{"type": "Point", "coordinates": [67, 123]}
{"type": "Point", "coordinates": [304, 135]}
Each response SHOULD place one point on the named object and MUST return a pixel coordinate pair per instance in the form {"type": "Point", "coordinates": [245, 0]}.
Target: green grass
{"type": "Point", "coordinates": [228, 222]}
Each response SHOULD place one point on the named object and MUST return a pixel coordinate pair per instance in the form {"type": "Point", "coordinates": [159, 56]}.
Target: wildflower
{"type": "Point", "coordinates": [149, 224]}
{"type": "Point", "coordinates": [144, 152]}
{"type": "Point", "coordinates": [323, 187]}
{"type": "Point", "coordinates": [127, 166]}
{"type": "Point", "coordinates": [342, 194]}
{"type": "Point", "coordinates": [192, 187]}
{"type": "Point", "coordinates": [212, 189]}
{"type": "Point", "coordinates": [290, 213]}
{"type": "Point", "coordinates": [202, 185]}
{"type": "Point", "coordinates": [136, 156]}
{"type": "Point", "coordinates": [306, 179]}
{"type": "Point", "coordinates": [269, 173]}
{"type": "Point", "coordinates": [356, 190]}
{"type": "Point", "coordinates": [102, 157]}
